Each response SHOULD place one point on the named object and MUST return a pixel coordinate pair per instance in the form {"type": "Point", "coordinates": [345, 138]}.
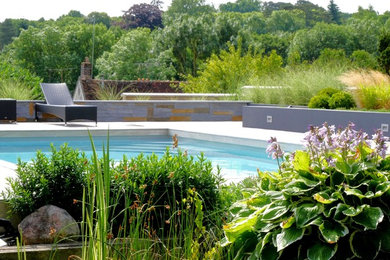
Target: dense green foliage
{"type": "Point", "coordinates": [134, 57]}
{"type": "Point", "coordinates": [329, 201]}
{"type": "Point", "coordinates": [190, 34]}
{"type": "Point", "coordinates": [57, 179]}
{"type": "Point", "coordinates": [332, 98]}
{"type": "Point", "coordinates": [17, 75]}
{"type": "Point", "coordinates": [163, 183]}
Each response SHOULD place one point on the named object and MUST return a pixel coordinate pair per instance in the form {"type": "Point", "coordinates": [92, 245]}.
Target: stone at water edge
{"type": "Point", "coordinates": [47, 225]}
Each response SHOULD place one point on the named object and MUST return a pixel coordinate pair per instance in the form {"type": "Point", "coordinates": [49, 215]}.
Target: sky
{"type": "Point", "coordinates": [52, 9]}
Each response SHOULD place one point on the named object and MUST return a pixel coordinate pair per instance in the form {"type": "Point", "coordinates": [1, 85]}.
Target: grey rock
{"type": "Point", "coordinates": [47, 225]}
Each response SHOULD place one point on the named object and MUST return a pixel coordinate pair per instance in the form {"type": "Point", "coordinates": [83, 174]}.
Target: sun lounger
{"type": "Point", "coordinates": [59, 103]}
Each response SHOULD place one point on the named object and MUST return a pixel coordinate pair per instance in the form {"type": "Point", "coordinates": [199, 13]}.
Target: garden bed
{"type": "Point", "coordinates": [297, 119]}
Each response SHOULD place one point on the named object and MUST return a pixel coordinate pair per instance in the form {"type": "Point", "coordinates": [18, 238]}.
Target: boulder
{"type": "Point", "coordinates": [47, 225]}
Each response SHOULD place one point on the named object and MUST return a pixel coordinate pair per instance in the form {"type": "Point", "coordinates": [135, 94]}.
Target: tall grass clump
{"type": "Point", "coordinates": [110, 91]}
{"type": "Point", "coordinates": [370, 88]}
{"type": "Point", "coordinates": [17, 79]}
{"type": "Point", "coordinates": [298, 84]}
{"type": "Point", "coordinates": [11, 88]}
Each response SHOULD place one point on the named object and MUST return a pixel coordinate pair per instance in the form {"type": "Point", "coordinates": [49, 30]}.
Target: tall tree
{"type": "Point", "coordinates": [190, 7]}
{"type": "Point", "coordinates": [334, 12]}
{"type": "Point", "coordinates": [142, 15]}
{"type": "Point", "coordinates": [241, 6]}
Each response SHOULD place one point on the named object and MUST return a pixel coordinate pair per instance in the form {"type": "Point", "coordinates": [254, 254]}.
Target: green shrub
{"type": "Point", "coordinates": [56, 180]}
{"type": "Point", "coordinates": [341, 100]}
{"type": "Point", "coordinates": [328, 91]}
{"type": "Point", "coordinates": [330, 201]}
{"type": "Point", "coordinates": [163, 183]}
{"type": "Point", "coordinates": [364, 60]}
{"type": "Point", "coordinates": [319, 101]}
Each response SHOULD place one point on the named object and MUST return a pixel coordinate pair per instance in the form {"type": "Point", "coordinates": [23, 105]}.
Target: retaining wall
{"type": "Point", "coordinates": [126, 111]}
{"type": "Point", "coordinates": [298, 119]}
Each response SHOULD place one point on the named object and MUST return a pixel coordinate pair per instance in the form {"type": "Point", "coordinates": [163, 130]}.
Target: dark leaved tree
{"type": "Point", "coordinates": [142, 15]}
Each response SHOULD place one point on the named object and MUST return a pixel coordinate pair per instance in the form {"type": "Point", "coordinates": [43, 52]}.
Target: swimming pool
{"type": "Point", "coordinates": [236, 161]}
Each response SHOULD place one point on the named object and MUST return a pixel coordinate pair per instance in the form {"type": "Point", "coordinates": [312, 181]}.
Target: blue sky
{"type": "Point", "coordinates": [52, 9]}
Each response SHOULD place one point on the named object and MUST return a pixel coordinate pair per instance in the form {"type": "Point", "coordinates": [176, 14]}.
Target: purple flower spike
{"type": "Point", "coordinates": [274, 149]}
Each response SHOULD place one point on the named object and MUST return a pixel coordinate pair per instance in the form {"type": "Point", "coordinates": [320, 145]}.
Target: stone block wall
{"type": "Point", "coordinates": [127, 111]}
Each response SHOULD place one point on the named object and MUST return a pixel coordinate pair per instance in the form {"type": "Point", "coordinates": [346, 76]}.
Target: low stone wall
{"type": "Point", "coordinates": [298, 119]}
{"type": "Point", "coordinates": [127, 111]}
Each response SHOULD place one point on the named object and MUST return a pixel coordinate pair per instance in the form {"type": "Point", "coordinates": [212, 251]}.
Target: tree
{"type": "Point", "coordinates": [54, 52]}
{"type": "Point", "coordinates": [192, 40]}
{"type": "Point", "coordinates": [269, 7]}
{"type": "Point", "coordinates": [190, 7]}
{"type": "Point", "coordinates": [286, 21]}
{"type": "Point", "coordinates": [142, 15]}
{"type": "Point", "coordinates": [313, 12]}
{"type": "Point", "coordinates": [308, 43]}
{"type": "Point", "coordinates": [133, 57]}
{"type": "Point", "coordinates": [334, 12]}
{"type": "Point", "coordinates": [96, 18]}
{"type": "Point", "coordinates": [241, 6]}
{"type": "Point", "coordinates": [384, 52]}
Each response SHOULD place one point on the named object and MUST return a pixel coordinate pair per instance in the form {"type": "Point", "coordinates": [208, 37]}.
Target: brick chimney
{"type": "Point", "coordinates": [86, 69]}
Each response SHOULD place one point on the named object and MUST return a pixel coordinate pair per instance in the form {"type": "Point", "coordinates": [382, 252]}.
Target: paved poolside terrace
{"type": "Point", "coordinates": [226, 132]}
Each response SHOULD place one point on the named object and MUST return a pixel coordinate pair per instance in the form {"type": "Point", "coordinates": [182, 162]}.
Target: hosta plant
{"type": "Point", "coordinates": [328, 201]}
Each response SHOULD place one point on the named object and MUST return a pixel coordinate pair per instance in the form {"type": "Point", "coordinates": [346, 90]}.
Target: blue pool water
{"type": "Point", "coordinates": [236, 161]}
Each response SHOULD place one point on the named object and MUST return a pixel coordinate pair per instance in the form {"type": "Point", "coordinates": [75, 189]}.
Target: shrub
{"type": "Point", "coordinates": [341, 99]}
{"type": "Point", "coordinates": [163, 183]}
{"type": "Point", "coordinates": [364, 60]}
{"type": "Point", "coordinates": [230, 70]}
{"type": "Point", "coordinates": [328, 91]}
{"type": "Point", "coordinates": [319, 101]}
{"type": "Point", "coordinates": [10, 88]}
{"type": "Point", "coordinates": [329, 201]}
{"type": "Point", "coordinates": [56, 180]}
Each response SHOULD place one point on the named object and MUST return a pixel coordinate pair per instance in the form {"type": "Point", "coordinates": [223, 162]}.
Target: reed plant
{"type": "Point", "coordinates": [371, 89]}
{"type": "Point", "coordinates": [149, 208]}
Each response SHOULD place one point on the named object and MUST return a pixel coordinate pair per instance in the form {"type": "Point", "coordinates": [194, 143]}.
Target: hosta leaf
{"type": "Point", "coordinates": [352, 212]}
{"type": "Point", "coordinates": [262, 226]}
{"type": "Point", "coordinates": [288, 236]}
{"type": "Point", "coordinates": [339, 212]}
{"type": "Point", "coordinates": [359, 194]}
{"type": "Point", "coordinates": [321, 251]}
{"type": "Point", "coordinates": [370, 217]}
{"type": "Point", "coordinates": [258, 200]}
{"type": "Point", "coordinates": [297, 187]}
{"type": "Point", "coordinates": [324, 198]}
{"type": "Point", "coordinates": [337, 178]}
{"type": "Point", "coordinates": [332, 231]}
{"type": "Point", "coordinates": [301, 161]}
{"type": "Point", "coordinates": [365, 245]}
{"type": "Point", "coordinates": [240, 226]}
{"type": "Point", "coordinates": [264, 250]}
{"type": "Point", "coordinates": [275, 210]}
{"type": "Point", "coordinates": [306, 212]}
{"type": "Point", "coordinates": [382, 188]}
{"type": "Point", "coordinates": [288, 222]}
